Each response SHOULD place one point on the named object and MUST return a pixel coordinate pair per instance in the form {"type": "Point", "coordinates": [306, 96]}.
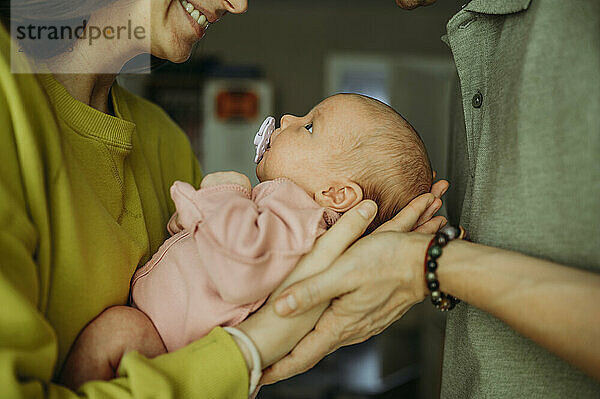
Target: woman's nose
{"type": "Point", "coordinates": [236, 6]}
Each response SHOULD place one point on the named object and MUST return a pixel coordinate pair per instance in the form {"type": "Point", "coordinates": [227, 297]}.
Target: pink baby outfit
{"type": "Point", "coordinates": [229, 250]}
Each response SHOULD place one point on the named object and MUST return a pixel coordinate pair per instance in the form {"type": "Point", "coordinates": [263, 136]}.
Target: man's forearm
{"type": "Point", "coordinates": [549, 303]}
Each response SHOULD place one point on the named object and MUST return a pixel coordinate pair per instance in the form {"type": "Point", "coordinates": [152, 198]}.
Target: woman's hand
{"type": "Point", "coordinates": [275, 336]}
{"type": "Point", "coordinates": [372, 289]}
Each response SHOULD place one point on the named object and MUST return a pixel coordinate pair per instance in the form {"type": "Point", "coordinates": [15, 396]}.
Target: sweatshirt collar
{"type": "Point", "coordinates": [88, 121]}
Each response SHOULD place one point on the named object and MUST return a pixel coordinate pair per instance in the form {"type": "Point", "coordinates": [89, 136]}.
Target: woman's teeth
{"type": "Point", "coordinates": [197, 15]}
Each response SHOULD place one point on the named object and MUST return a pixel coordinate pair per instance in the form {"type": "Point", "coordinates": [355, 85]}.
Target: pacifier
{"type": "Point", "coordinates": [262, 140]}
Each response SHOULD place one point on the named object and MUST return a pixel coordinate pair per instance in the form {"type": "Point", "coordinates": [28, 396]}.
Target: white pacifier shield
{"type": "Point", "coordinates": [263, 138]}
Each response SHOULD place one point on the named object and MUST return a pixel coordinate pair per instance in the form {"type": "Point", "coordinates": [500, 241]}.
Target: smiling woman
{"type": "Point", "coordinates": [84, 200]}
{"type": "Point", "coordinates": [171, 37]}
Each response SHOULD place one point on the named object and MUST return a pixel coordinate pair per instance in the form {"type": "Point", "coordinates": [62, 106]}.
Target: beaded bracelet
{"type": "Point", "coordinates": [440, 300]}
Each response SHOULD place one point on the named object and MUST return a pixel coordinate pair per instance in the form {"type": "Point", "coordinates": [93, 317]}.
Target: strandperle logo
{"type": "Point", "coordinates": [68, 37]}
{"type": "Point", "coordinates": [89, 33]}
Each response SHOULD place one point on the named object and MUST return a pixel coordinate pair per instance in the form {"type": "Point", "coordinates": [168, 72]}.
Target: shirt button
{"type": "Point", "coordinates": [477, 100]}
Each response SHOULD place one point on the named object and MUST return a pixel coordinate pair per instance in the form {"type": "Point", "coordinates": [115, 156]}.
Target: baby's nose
{"type": "Point", "coordinates": [285, 120]}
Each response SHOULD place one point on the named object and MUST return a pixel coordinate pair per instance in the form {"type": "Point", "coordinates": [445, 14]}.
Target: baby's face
{"type": "Point", "coordinates": [302, 145]}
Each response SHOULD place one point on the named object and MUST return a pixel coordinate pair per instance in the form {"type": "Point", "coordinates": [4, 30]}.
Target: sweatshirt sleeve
{"type": "Point", "coordinates": [28, 347]}
{"type": "Point", "coordinates": [248, 241]}
{"type": "Point", "coordinates": [211, 367]}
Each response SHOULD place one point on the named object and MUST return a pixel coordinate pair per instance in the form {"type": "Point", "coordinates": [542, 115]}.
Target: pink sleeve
{"type": "Point", "coordinates": [250, 244]}
{"type": "Point", "coordinates": [173, 226]}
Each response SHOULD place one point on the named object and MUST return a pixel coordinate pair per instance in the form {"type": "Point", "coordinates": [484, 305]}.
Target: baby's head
{"type": "Point", "coordinates": [349, 148]}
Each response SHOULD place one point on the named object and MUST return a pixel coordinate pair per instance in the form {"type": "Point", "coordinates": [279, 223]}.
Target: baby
{"type": "Point", "coordinates": [231, 245]}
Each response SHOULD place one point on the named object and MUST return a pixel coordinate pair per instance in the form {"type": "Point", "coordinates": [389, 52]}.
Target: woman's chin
{"type": "Point", "coordinates": [176, 50]}
{"type": "Point", "coordinates": [180, 59]}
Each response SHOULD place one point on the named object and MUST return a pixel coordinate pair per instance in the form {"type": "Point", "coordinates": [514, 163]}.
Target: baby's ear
{"type": "Point", "coordinates": [340, 196]}
{"type": "Point", "coordinates": [183, 197]}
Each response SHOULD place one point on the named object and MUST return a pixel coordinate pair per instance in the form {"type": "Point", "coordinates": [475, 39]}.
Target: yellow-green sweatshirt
{"type": "Point", "coordinates": [83, 201]}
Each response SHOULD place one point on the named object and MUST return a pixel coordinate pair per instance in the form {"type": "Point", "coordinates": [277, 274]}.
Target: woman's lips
{"type": "Point", "coordinates": [198, 20]}
{"type": "Point", "coordinates": [211, 17]}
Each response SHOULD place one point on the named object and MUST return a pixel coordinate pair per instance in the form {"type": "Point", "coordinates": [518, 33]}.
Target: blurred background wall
{"type": "Point", "coordinates": [290, 39]}
{"type": "Point", "coordinates": [284, 56]}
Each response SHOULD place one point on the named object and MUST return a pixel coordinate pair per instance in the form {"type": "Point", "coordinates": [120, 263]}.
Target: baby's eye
{"type": "Point", "coordinates": [309, 127]}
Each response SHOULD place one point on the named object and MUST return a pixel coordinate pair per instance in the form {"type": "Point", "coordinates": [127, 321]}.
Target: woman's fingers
{"type": "Point", "coordinates": [308, 293]}
{"type": "Point", "coordinates": [344, 232]}
{"type": "Point", "coordinates": [309, 351]}
{"type": "Point", "coordinates": [321, 287]}
{"type": "Point", "coordinates": [408, 217]}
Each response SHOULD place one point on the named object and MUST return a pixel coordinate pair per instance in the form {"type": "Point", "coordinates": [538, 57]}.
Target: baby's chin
{"type": "Point", "coordinates": [260, 171]}
{"type": "Point", "coordinates": [264, 173]}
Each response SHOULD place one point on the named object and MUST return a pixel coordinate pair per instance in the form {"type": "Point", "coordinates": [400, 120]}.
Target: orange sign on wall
{"type": "Point", "coordinates": [237, 105]}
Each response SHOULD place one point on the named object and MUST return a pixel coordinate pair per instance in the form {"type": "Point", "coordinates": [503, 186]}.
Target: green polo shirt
{"type": "Point", "coordinates": [525, 175]}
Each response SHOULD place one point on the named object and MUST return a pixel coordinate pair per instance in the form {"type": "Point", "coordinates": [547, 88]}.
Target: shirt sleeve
{"type": "Point", "coordinates": [211, 367]}
{"type": "Point", "coordinates": [250, 242]}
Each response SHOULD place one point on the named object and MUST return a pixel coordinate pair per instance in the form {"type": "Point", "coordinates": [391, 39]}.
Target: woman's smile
{"type": "Point", "coordinates": [172, 39]}
{"type": "Point", "coordinates": [198, 19]}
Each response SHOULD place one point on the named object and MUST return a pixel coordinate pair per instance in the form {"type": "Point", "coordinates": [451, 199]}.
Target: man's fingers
{"type": "Point", "coordinates": [407, 218]}
{"type": "Point", "coordinates": [432, 226]}
{"type": "Point", "coordinates": [439, 188]}
{"type": "Point", "coordinates": [428, 214]}
{"type": "Point", "coordinates": [309, 351]}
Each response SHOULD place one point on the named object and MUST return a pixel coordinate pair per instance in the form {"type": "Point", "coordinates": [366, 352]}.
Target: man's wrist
{"type": "Point", "coordinates": [454, 268]}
